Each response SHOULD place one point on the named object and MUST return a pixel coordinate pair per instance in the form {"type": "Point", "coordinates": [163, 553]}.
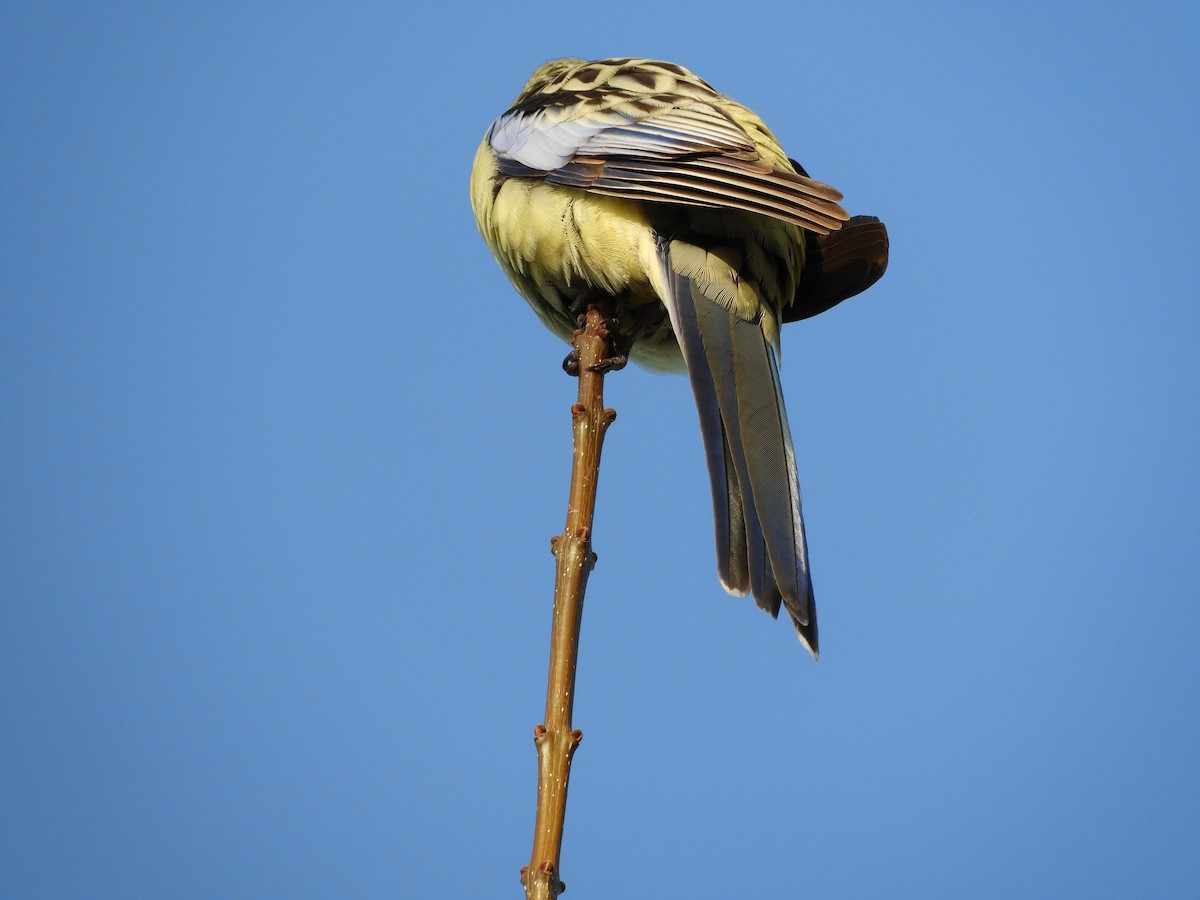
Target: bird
{"type": "Point", "coordinates": [635, 180]}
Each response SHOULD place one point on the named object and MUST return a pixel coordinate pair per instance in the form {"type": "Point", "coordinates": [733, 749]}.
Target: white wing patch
{"type": "Point", "coordinates": [544, 142]}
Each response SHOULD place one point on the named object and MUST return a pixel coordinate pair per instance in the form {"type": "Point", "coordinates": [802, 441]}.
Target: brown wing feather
{"type": "Point", "coordinates": [711, 181]}
{"type": "Point", "coordinates": [837, 266]}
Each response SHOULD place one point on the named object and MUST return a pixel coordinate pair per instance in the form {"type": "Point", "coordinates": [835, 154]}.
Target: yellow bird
{"type": "Point", "coordinates": [634, 179]}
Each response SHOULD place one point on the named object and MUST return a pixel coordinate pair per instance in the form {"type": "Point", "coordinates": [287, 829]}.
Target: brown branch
{"type": "Point", "coordinates": [556, 740]}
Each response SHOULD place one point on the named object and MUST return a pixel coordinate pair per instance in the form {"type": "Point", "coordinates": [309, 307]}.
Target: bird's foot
{"type": "Point", "coordinates": [616, 354]}
{"type": "Point", "coordinates": [612, 363]}
{"type": "Point", "coordinates": [616, 347]}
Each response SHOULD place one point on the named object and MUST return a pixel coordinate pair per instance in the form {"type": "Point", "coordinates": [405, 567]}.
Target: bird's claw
{"type": "Point", "coordinates": [608, 364]}
{"type": "Point", "coordinates": [570, 363]}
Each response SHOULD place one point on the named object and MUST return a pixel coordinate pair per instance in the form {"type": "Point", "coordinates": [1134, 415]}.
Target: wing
{"type": "Point", "coordinates": [838, 266]}
{"type": "Point", "coordinates": [678, 146]}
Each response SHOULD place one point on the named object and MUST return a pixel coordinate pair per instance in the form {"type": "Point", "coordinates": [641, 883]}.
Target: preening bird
{"type": "Point", "coordinates": [635, 180]}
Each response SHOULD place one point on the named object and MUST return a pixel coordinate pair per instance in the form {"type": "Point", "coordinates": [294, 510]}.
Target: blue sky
{"type": "Point", "coordinates": [283, 452]}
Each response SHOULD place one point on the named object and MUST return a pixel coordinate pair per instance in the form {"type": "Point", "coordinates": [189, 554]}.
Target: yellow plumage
{"type": "Point", "coordinates": [553, 241]}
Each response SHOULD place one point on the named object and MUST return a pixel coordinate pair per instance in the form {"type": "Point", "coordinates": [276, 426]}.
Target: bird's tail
{"type": "Point", "coordinates": [761, 547]}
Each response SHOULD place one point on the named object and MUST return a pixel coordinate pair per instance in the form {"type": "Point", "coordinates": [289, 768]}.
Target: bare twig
{"type": "Point", "coordinates": [556, 740]}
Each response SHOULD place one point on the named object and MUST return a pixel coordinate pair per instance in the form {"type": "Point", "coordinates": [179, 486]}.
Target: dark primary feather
{"type": "Point", "coordinates": [838, 266]}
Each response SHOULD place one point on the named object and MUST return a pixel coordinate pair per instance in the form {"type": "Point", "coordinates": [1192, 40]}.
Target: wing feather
{"type": "Point", "coordinates": [656, 146]}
